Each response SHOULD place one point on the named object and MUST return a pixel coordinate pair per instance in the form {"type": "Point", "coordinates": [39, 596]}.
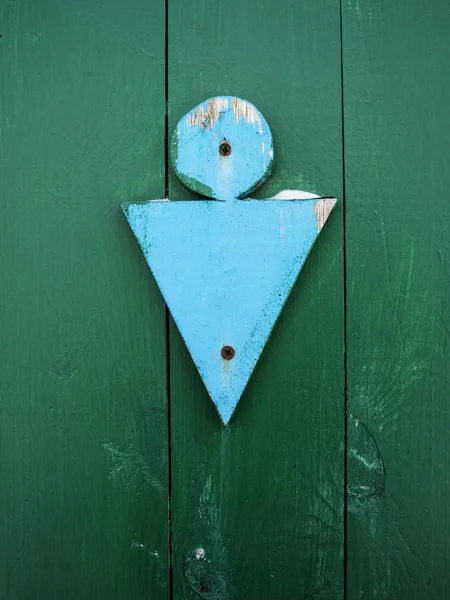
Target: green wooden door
{"type": "Point", "coordinates": [118, 479]}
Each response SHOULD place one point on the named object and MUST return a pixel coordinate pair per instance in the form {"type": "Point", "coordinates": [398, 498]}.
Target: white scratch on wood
{"type": "Point", "coordinates": [128, 464]}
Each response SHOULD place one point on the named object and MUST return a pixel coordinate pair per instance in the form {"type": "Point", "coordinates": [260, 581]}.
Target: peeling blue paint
{"type": "Point", "coordinates": [225, 269]}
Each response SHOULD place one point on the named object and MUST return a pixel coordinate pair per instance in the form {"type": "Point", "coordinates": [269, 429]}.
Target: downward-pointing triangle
{"type": "Point", "coordinates": [225, 270]}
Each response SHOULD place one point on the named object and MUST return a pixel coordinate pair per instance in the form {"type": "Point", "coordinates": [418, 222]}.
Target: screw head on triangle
{"type": "Point", "coordinates": [226, 265]}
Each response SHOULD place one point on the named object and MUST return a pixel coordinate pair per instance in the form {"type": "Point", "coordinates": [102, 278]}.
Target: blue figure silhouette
{"type": "Point", "coordinates": [225, 265]}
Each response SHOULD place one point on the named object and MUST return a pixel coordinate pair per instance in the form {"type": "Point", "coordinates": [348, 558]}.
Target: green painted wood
{"type": "Point", "coordinates": [83, 438]}
{"type": "Point", "coordinates": [258, 506]}
{"type": "Point", "coordinates": [397, 126]}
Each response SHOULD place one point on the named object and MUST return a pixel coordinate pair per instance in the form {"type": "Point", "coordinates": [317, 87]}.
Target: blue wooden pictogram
{"type": "Point", "coordinates": [226, 265]}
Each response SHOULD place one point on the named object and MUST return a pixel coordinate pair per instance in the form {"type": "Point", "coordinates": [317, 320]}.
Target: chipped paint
{"type": "Point", "coordinates": [244, 110]}
{"type": "Point", "coordinates": [200, 553]}
{"type": "Point", "coordinates": [208, 113]}
{"type": "Point", "coordinates": [322, 208]}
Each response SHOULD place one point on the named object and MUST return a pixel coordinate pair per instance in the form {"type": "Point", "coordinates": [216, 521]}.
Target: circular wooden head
{"type": "Point", "coordinates": [222, 149]}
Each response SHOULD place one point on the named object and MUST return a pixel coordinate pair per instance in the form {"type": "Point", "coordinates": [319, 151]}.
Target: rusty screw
{"type": "Point", "coordinates": [227, 352]}
{"type": "Point", "coordinates": [225, 148]}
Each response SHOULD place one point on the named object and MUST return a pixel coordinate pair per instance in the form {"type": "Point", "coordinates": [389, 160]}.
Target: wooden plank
{"type": "Point", "coordinates": [83, 386]}
{"type": "Point", "coordinates": [258, 505]}
{"type": "Point", "coordinates": [397, 126]}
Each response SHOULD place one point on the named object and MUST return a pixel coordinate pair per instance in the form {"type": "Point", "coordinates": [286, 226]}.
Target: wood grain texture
{"type": "Point", "coordinates": [258, 506]}
{"type": "Point", "coordinates": [83, 444]}
{"type": "Point", "coordinates": [397, 129]}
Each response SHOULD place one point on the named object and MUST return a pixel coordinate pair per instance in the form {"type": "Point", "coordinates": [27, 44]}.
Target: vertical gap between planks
{"type": "Point", "coordinates": [168, 373]}
{"type": "Point", "coordinates": [344, 206]}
